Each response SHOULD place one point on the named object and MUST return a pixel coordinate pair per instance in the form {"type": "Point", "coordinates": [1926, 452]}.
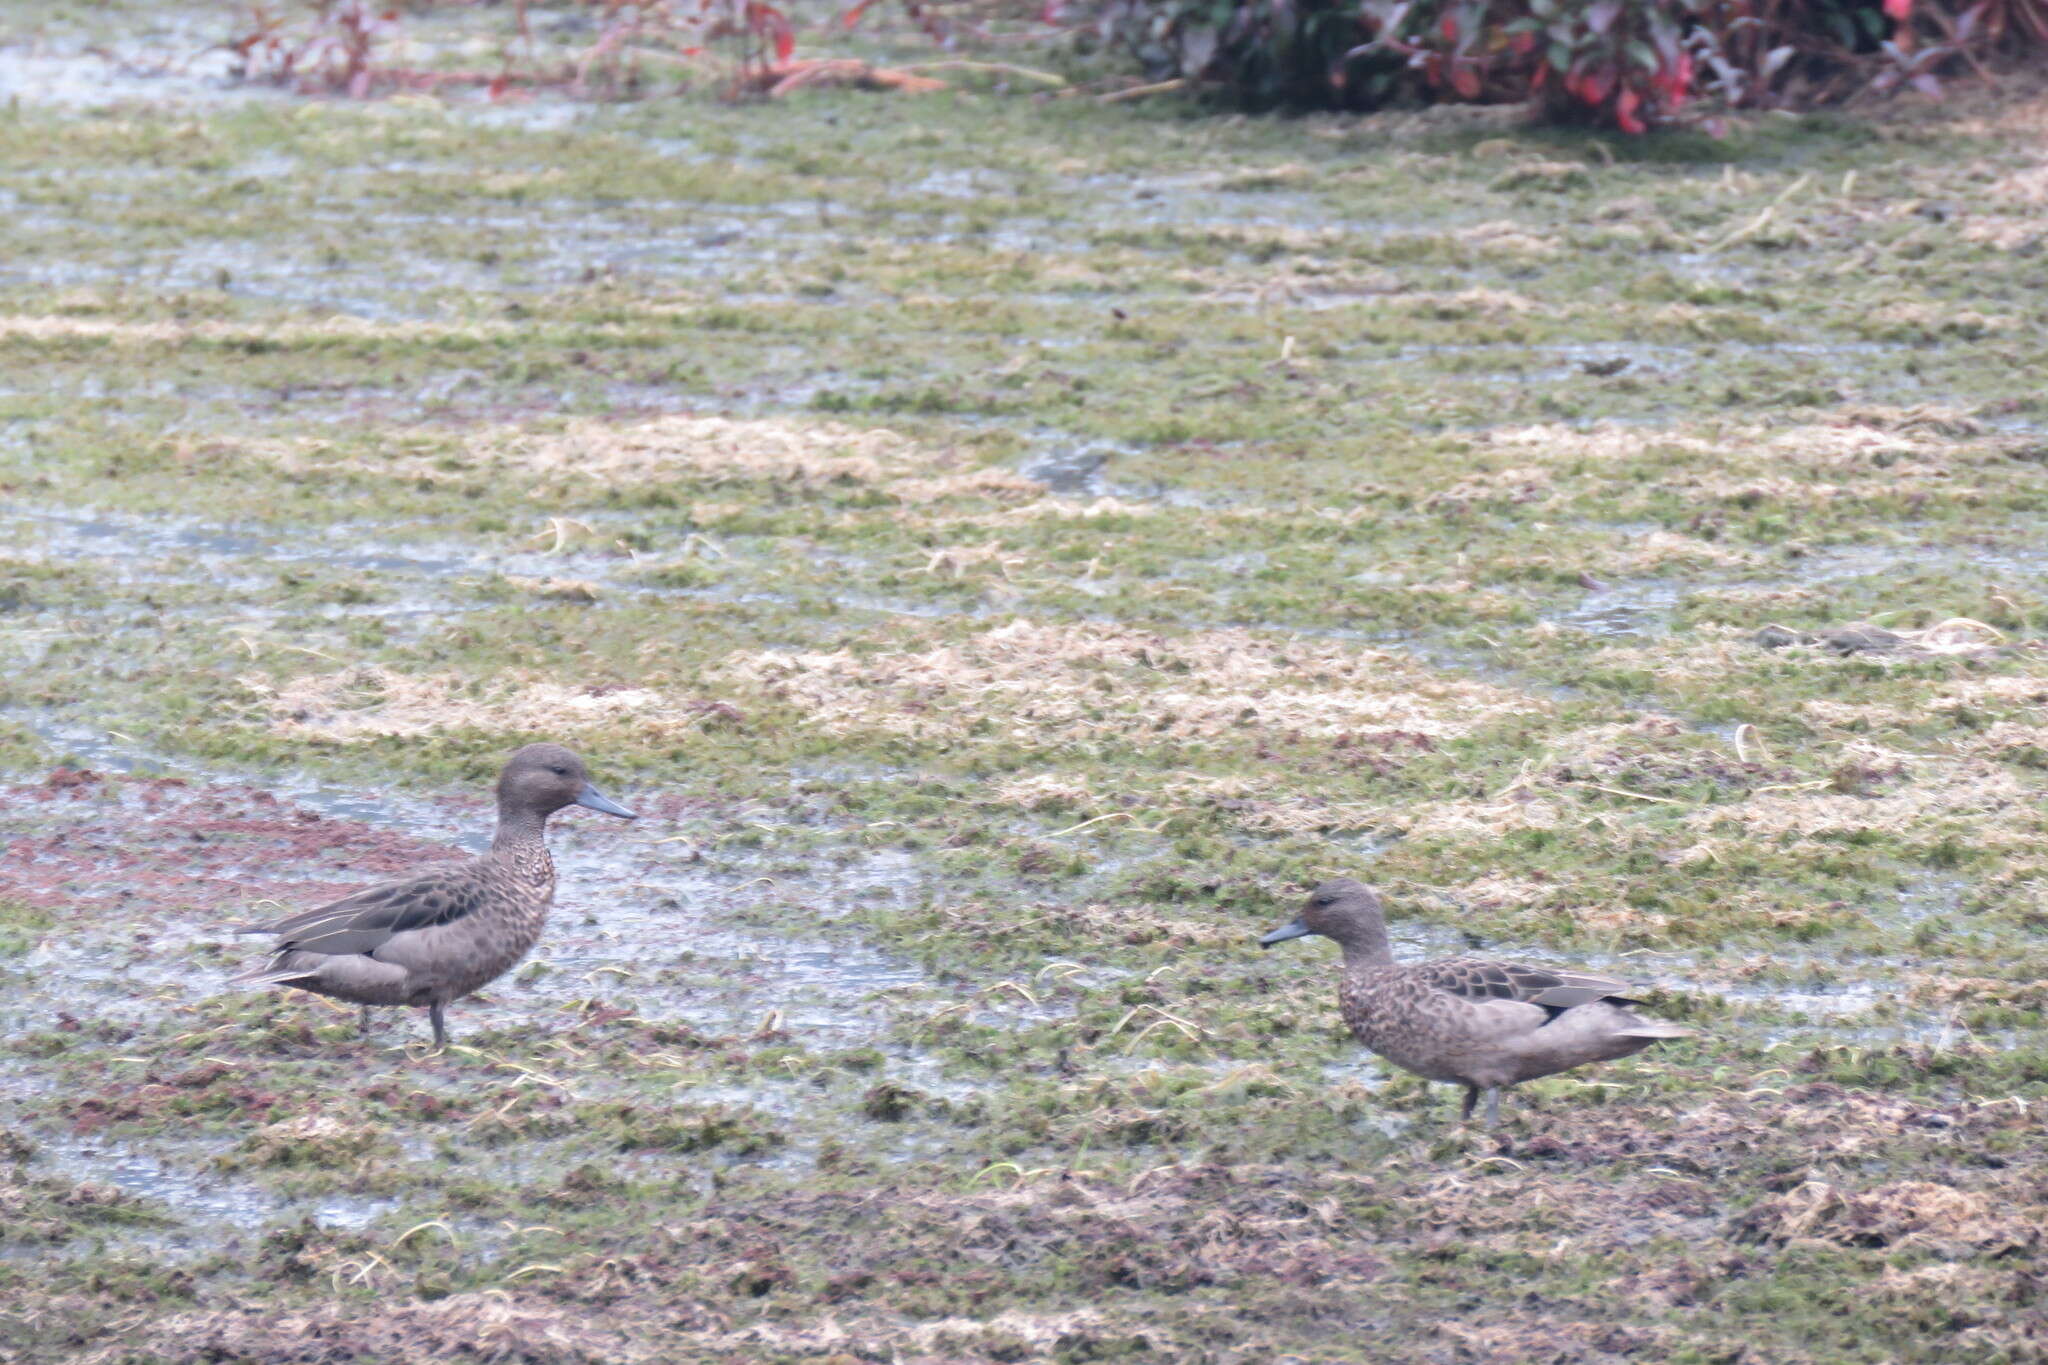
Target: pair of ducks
{"type": "Point", "coordinates": [436, 938]}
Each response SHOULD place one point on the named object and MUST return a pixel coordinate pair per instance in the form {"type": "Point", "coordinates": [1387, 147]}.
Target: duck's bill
{"type": "Point", "coordinates": [1295, 929]}
{"type": "Point", "coordinates": [597, 800]}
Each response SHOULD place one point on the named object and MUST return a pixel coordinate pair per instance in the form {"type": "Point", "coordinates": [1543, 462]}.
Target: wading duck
{"type": "Point", "coordinates": [441, 935]}
{"type": "Point", "coordinates": [1483, 1025]}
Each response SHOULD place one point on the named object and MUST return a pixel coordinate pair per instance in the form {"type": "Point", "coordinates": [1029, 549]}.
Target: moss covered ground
{"type": "Point", "coordinates": [1009, 548]}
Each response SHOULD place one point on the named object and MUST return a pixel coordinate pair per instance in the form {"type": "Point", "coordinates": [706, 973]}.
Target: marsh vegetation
{"type": "Point", "coordinates": [1005, 549]}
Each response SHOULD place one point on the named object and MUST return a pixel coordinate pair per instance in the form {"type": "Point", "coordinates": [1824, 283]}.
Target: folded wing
{"type": "Point", "coordinates": [1556, 991]}
{"type": "Point", "coordinates": [366, 921]}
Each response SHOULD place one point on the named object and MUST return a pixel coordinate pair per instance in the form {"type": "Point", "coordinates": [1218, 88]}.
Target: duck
{"type": "Point", "coordinates": [437, 937]}
{"type": "Point", "coordinates": [1474, 1022]}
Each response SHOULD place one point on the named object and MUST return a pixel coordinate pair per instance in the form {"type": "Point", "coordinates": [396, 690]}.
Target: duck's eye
{"type": "Point", "coordinates": [559, 771]}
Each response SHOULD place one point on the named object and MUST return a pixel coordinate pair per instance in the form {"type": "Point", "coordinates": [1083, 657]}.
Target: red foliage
{"type": "Point", "coordinates": [333, 46]}
{"type": "Point", "coordinates": [333, 53]}
{"type": "Point", "coordinates": [1635, 63]}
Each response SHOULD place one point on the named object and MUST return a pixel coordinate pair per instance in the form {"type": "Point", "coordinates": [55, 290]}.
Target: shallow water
{"type": "Point", "coordinates": [713, 955]}
{"type": "Point", "coordinates": [206, 1205]}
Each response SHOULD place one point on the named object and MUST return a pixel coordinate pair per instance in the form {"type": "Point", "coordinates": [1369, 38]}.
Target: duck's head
{"type": "Point", "coordinates": [543, 778]}
{"type": "Point", "coordinates": [1339, 909]}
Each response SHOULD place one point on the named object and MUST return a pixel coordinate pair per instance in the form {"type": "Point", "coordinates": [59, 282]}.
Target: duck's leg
{"type": "Point", "coordinates": [440, 1025]}
{"type": "Point", "coordinates": [363, 1022]}
{"type": "Point", "coordinates": [1492, 1105]}
{"type": "Point", "coordinates": [1471, 1099]}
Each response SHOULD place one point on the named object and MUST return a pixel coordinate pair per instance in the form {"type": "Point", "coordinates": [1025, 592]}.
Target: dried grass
{"type": "Point", "coordinates": [2027, 188]}
{"type": "Point", "coordinates": [1712, 653]}
{"type": "Point", "coordinates": [2012, 698]}
{"type": "Point", "coordinates": [1938, 418]}
{"type": "Point", "coordinates": [1287, 280]}
{"type": "Point", "coordinates": [952, 1338]}
{"type": "Point", "coordinates": [1854, 451]}
{"type": "Point", "coordinates": [2011, 741]}
{"type": "Point", "coordinates": [1946, 990]}
{"type": "Point", "coordinates": [2014, 120]}
{"type": "Point", "coordinates": [1482, 820]}
{"type": "Point", "coordinates": [1272, 241]}
{"type": "Point", "coordinates": [1501, 890]}
{"type": "Point", "coordinates": [1248, 804]}
{"type": "Point", "coordinates": [64, 327]}
{"type": "Point", "coordinates": [1465, 303]}
{"type": "Point", "coordinates": [1040, 683]}
{"type": "Point", "coordinates": [1556, 443]}
{"type": "Point", "coordinates": [1522, 484]}
{"type": "Point", "coordinates": [1025, 681]}
{"type": "Point", "coordinates": [2002, 233]}
{"type": "Point", "coordinates": [491, 1326]}
{"type": "Point", "coordinates": [1506, 237]}
{"type": "Point", "coordinates": [1906, 1214]}
{"type": "Point", "coordinates": [777, 450]}
{"type": "Point", "coordinates": [1073, 509]}
{"type": "Point", "coordinates": [1958, 637]}
{"type": "Point", "coordinates": [1636, 556]}
{"type": "Point", "coordinates": [362, 704]}
{"type": "Point", "coordinates": [574, 590]}
{"type": "Point", "coordinates": [1660, 550]}
{"type": "Point", "coordinates": [307, 1140]}
{"type": "Point", "coordinates": [1930, 797]}
{"type": "Point", "coordinates": [590, 453]}
{"type": "Point", "coordinates": [1941, 319]}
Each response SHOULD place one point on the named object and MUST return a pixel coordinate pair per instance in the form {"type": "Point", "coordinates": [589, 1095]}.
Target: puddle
{"type": "Point", "coordinates": [1637, 608]}
{"type": "Point", "coordinates": [435, 579]}
{"type": "Point", "coordinates": [1073, 471]}
{"type": "Point", "coordinates": [187, 74]}
{"type": "Point", "coordinates": [206, 1205]}
{"type": "Point", "coordinates": [640, 917]}
{"type": "Point", "coordinates": [643, 921]}
{"type": "Point", "coordinates": [2009, 562]}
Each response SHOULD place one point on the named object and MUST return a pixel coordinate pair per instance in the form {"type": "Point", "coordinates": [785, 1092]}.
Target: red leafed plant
{"type": "Point", "coordinates": [1628, 64]}
{"type": "Point", "coordinates": [1623, 61]}
{"type": "Point", "coordinates": [341, 47]}
{"type": "Point", "coordinates": [332, 52]}
{"type": "Point", "coordinates": [631, 32]}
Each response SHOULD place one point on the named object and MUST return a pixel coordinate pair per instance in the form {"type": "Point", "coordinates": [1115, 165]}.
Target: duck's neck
{"type": "Point", "coordinates": [519, 828]}
{"type": "Point", "coordinates": [1365, 946]}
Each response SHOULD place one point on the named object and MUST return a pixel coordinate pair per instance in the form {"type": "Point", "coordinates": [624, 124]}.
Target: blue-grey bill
{"type": "Point", "coordinates": [597, 800]}
{"type": "Point", "coordinates": [1295, 929]}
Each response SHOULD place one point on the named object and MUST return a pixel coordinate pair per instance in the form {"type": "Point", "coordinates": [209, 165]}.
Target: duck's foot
{"type": "Point", "coordinates": [1471, 1102]}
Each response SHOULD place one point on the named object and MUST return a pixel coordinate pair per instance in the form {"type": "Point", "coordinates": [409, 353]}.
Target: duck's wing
{"type": "Point", "coordinates": [366, 921]}
{"type": "Point", "coordinates": [1477, 979]}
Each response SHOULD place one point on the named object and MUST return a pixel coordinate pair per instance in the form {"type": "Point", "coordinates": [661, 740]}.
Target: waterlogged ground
{"type": "Point", "coordinates": [1007, 550]}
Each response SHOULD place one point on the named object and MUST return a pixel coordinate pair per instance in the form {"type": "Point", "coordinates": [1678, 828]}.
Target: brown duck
{"type": "Point", "coordinates": [441, 935]}
{"type": "Point", "coordinates": [1483, 1025]}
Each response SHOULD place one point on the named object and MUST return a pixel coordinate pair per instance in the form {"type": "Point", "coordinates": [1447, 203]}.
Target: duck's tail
{"type": "Point", "coordinates": [1653, 1030]}
{"type": "Point", "coordinates": [271, 976]}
